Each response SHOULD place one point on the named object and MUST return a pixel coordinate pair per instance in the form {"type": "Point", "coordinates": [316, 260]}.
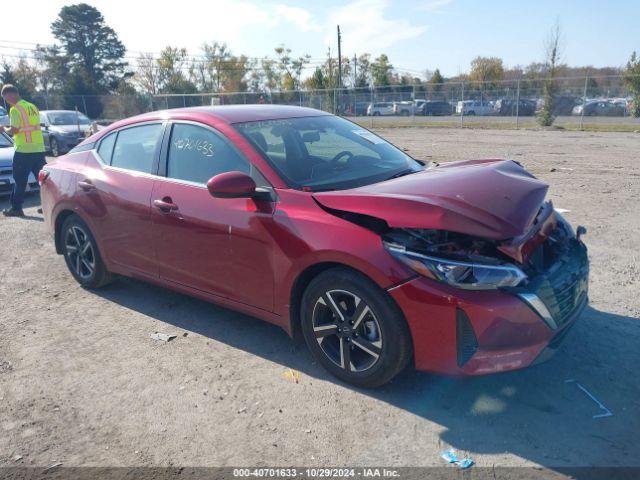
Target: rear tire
{"type": "Point", "coordinates": [81, 254]}
{"type": "Point", "coordinates": [354, 329]}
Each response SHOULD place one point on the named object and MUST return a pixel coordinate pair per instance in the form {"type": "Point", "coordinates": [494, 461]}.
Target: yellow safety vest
{"type": "Point", "coordinates": [25, 117]}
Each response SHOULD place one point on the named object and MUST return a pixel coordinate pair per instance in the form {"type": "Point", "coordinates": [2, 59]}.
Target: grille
{"type": "Point", "coordinates": [562, 299]}
{"type": "Point", "coordinates": [6, 171]}
{"type": "Point", "coordinates": [564, 286]}
{"type": "Point", "coordinates": [466, 341]}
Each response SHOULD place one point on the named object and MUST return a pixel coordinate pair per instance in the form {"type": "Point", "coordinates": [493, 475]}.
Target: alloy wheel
{"type": "Point", "coordinates": [80, 252]}
{"type": "Point", "coordinates": [55, 151]}
{"type": "Point", "coordinates": [347, 330]}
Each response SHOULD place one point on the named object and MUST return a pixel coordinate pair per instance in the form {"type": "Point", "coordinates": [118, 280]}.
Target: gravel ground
{"type": "Point", "coordinates": [82, 382]}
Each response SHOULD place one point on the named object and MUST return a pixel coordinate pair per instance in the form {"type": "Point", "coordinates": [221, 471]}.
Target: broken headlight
{"type": "Point", "coordinates": [467, 275]}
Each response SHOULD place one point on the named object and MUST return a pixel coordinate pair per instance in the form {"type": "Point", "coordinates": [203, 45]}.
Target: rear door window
{"type": "Point", "coordinates": [136, 148]}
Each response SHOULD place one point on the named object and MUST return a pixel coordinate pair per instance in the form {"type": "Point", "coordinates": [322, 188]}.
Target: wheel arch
{"type": "Point", "coordinates": [59, 221]}
{"type": "Point", "coordinates": [302, 281]}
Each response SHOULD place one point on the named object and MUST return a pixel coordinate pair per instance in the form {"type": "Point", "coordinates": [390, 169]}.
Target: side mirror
{"type": "Point", "coordinates": [231, 185]}
{"type": "Point", "coordinates": [43, 125]}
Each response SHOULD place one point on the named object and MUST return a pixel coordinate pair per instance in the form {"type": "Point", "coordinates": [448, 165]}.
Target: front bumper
{"type": "Point", "coordinates": [465, 332]}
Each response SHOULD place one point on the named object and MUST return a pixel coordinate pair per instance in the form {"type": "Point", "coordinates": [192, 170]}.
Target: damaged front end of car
{"type": "Point", "coordinates": [495, 283]}
{"type": "Point", "coordinates": [498, 274]}
{"type": "Point", "coordinates": [546, 267]}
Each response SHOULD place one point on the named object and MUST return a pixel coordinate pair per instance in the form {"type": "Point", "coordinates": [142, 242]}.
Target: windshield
{"type": "Point", "coordinates": [67, 118]}
{"type": "Point", "coordinates": [4, 141]}
{"type": "Point", "coordinates": [326, 152]}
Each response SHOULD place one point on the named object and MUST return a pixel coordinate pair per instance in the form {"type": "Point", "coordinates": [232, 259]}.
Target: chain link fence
{"type": "Point", "coordinates": [578, 102]}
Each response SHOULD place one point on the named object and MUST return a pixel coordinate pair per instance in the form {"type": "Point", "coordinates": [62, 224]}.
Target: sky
{"type": "Point", "coordinates": [416, 35]}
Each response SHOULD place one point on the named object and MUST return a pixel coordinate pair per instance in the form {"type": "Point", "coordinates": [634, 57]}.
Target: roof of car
{"type": "Point", "coordinates": [232, 113]}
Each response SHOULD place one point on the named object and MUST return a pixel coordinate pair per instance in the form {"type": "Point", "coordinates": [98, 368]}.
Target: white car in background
{"type": "Point", "coordinates": [380, 108]}
{"type": "Point", "coordinates": [4, 117]}
{"type": "Point", "coordinates": [411, 107]}
{"type": "Point", "coordinates": [474, 107]}
{"type": "Point", "coordinates": [6, 168]}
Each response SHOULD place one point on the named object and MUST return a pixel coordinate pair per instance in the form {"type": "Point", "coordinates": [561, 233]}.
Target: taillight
{"type": "Point", "coordinates": [42, 176]}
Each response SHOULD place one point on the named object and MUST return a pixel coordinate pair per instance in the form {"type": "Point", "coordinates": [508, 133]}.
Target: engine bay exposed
{"type": "Point", "coordinates": [443, 244]}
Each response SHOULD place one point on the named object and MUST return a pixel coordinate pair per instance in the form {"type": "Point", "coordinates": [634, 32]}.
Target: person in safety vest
{"type": "Point", "coordinates": [29, 145]}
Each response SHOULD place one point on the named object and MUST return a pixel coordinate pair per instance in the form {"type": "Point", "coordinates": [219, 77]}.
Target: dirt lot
{"type": "Point", "coordinates": [82, 383]}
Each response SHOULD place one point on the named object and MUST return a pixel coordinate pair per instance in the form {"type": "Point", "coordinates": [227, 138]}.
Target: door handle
{"type": "Point", "coordinates": [165, 205]}
{"type": "Point", "coordinates": [86, 185]}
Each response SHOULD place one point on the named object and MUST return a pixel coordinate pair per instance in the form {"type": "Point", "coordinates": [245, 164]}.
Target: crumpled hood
{"type": "Point", "coordinates": [494, 199]}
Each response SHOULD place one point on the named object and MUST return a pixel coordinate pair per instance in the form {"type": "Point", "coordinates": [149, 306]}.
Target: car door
{"type": "Point", "coordinates": [216, 245]}
{"type": "Point", "coordinates": [114, 192]}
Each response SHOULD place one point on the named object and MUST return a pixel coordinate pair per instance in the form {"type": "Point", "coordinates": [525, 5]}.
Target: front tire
{"type": "Point", "coordinates": [354, 329]}
{"type": "Point", "coordinates": [81, 254]}
{"type": "Point", "coordinates": [54, 147]}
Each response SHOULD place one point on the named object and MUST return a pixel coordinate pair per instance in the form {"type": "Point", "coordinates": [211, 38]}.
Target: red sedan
{"type": "Point", "coordinates": [317, 225]}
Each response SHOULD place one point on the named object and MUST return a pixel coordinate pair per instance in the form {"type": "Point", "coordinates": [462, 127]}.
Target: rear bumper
{"type": "Point", "coordinates": [465, 332]}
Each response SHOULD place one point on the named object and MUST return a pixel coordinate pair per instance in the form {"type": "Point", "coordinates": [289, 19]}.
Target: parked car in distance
{"type": "Point", "coordinates": [511, 107]}
{"type": "Point", "coordinates": [6, 167]}
{"type": "Point", "coordinates": [435, 107]}
{"type": "Point", "coordinates": [321, 227]}
{"type": "Point", "coordinates": [406, 108]}
{"type": "Point", "coordinates": [602, 108]}
{"type": "Point", "coordinates": [356, 109]}
{"type": "Point", "coordinates": [474, 107]}
{"type": "Point", "coordinates": [63, 129]}
{"type": "Point", "coordinates": [380, 108]}
{"type": "Point", "coordinates": [562, 104]}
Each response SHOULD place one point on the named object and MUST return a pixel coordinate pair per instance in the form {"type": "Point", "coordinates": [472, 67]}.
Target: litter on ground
{"type": "Point", "coordinates": [163, 337]}
{"type": "Point", "coordinates": [450, 456]}
{"type": "Point", "coordinates": [291, 374]}
{"type": "Point", "coordinates": [605, 411]}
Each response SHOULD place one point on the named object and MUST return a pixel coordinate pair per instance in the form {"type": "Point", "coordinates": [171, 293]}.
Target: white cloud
{"type": "Point", "coordinates": [366, 29]}
{"type": "Point", "coordinates": [300, 17]}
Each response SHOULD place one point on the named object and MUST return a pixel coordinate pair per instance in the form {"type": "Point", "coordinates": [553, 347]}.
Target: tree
{"type": "Point", "coordinates": [316, 81]}
{"type": "Point", "coordinates": [362, 70]}
{"type": "Point", "coordinates": [381, 71]}
{"type": "Point", "coordinates": [219, 70]}
{"type": "Point", "coordinates": [552, 62]}
{"type": "Point", "coordinates": [91, 48]}
{"type": "Point", "coordinates": [435, 83]}
{"type": "Point", "coordinates": [290, 69]}
{"type": "Point", "coordinates": [436, 78]}
{"type": "Point", "coordinates": [488, 70]}
{"type": "Point", "coordinates": [632, 81]}
{"type": "Point", "coordinates": [171, 65]}
{"type": "Point", "coordinates": [147, 76]}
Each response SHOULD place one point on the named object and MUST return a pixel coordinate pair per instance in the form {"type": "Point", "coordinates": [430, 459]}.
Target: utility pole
{"type": "Point", "coordinates": [339, 59]}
